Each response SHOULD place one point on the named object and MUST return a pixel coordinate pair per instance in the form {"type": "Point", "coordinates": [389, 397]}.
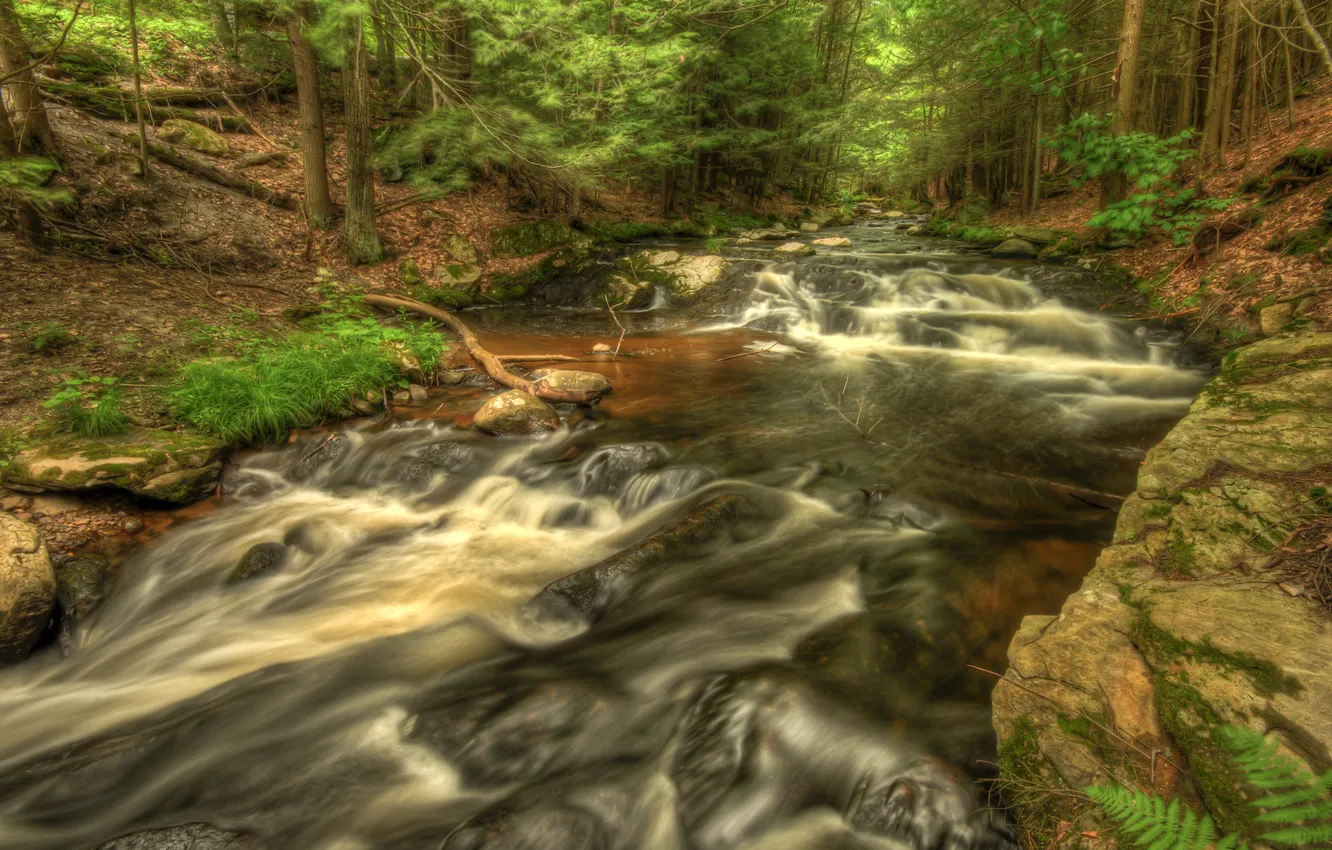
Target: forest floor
{"type": "Point", "coordinates": [1244, 273]}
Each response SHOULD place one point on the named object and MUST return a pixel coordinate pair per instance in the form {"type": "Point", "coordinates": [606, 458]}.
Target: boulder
{"type": "Point", "coordinates": [1035, 235]}
{"type": "Point", "coordinates": [569, 379]}
{"type": "Point", "coordinates": [795, 249]}
{"type": "Point", "coordinates": [169, 466]}
{"type": "Point", "coordinates": [1188, 622]}
{"type": "Point", "coordinates": [416, 392]}
{"type": "Point", "coordinates": [809, 227]}
{"type": "Point", "coordinates": [770, 234]}
{"type": "Point", "coordinates": [410, 273]}
{"type": "Point", "coordinates": [194, 136]}
{"type": "Point", "coordinates": [915, 230]}
{"type": "Point", "coordinates": [833, 242]}
{"type": "Point", "coordinates": [463, 267]}
{"type": "Point", "coordinates": [972, 210]}
{"type": "Point", "coordinates": [80, 588]}
{"type": "Point", "coordinates": [27, 588]}
{"type": "Point", "coordinates": [892, 214]}
{"type": "Point", "coordinates": [190, 836]}
{"type": "Point", "coordinates": [516, 414]}
{"type": "Point", "coordinates": [405, 361]}
{"type": "Point", "coordinates": [260, 559]}
{"type": "Point", "coordinates": [628, 293]}
{"type": "Point", "coordinates": [1274, 318]}
{"type": "Point", "coordinates": [685, 277]}
{"type": "Point", "coordinates": [1014, 249]}
{"type": "Point", "coordinates": [535, 237]}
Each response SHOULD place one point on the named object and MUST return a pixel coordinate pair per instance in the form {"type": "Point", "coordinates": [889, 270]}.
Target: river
{"type": "Point", "coordinates": [918, 446]}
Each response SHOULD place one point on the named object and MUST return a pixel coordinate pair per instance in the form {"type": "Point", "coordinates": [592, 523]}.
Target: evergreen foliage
{"type": "Point", "coordinates": [1296, 801]}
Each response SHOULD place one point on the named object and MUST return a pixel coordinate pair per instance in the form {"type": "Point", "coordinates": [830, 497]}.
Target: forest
{"type": "Point", "coordinates": [665, 424]}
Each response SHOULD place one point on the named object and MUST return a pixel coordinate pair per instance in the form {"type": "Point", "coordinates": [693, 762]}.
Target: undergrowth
{"type": "Point", "coordinates": [274, 385]}
{"type": "Point", "coordinates": [88, 406]}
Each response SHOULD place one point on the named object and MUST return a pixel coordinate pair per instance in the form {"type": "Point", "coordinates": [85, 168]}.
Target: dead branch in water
{"type": "Point", "coordinates": [617, 321]}
{"type": "Point", "coordinates": [489, 362]}
{"type": "Point", "coordinates": [756, 351]}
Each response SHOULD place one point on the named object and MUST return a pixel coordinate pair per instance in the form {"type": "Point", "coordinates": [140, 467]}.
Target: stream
{"type": "Point", "coordinates": [919, 446]}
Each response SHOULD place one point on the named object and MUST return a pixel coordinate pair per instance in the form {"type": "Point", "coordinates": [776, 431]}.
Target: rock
{"type": "Point", "coordinates": [569, 379]}
{"type": "Point", "coordinates": [27, 588]}
{"type": "Point", "coordinates": [1183, 625]}
{"type": "Point", "coordinates": [405, 361]}
{"type": "Point", "coordinates": [409, 272]}
{"type": "Point", "coordinates": [915, 230]}
{"type": "Point", "coordinates": [627, 293]}
{"type": "Point", "coordinates": [133, 525]}
{"type": "Point", "coordinates": [170, 466]}
{"type": "Point", "coordinates": [363, 407]}
{"type": "Point", "coordinates": [80, 588]}
{"type": "Point", "coordinates": [1273, 319]}
{"type": "Point", "coordinates": [685, 277]}
{"type": "Point", "coordinates": [1035, 235]}
{"type": "Point", "coordinates": [516, 414]}
{"type": "Point", "coordinates": [253, 160]}
{"type": "Point", "coordinates": [402, 397]}
{"type": "Point", "coordinates": [601, 348]}
{"type": "Point", "coordinates": [259, 560]}
{"type": "Point", "coordinates": [833, 242]}
{"type": "Point", "coordinates": [190, 836]}
{"type": "Point", "coordinates": [972, 210]}
{"type": "Point", "coordinates": [536, 237]}
{"type": "Point", "coordinates": [1015, 249]}
{"type": "Point", "coordinates": [195, 136]}
{"type": "Point", "coordinates": [771, 234]}
{"type": "Point", "coordinates": [417, 392]}
{"type": "Point", "coordinates": [795, 249]}
{"type": "Point", "coordinates": [463, 267]}
{"type": "Point", "coordinates": [449, 377]}
{"type": "Point", "coordinates": [809, 227]}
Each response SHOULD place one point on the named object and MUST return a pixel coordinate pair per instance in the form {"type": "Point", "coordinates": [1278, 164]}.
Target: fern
{"type": "Point", "coordinates": [1158, 825]}
{"type": "Point", "coordinates": [1296, 800]}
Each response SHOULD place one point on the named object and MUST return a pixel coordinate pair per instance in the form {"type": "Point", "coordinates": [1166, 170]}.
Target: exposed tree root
{"type": "Point", "coordinates": [491, 364]}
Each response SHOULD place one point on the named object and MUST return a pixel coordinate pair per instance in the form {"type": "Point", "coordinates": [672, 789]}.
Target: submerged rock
{"type": "Point", "coordinates": [259, 560]}
{"type": "Point", "coordinates": [809, 227]}
{"type": "Point", "coordinates": [168, 466]}
{"type": "Point", "coordinates": [608, 470]}
{"type": "Point", "coordinates": [195, 136]}
{"type": "Point", "coordinates": [190, 836]}
{"type": "Point", "coordinates": [516, 414]}
{"type": "Point", "coordinates": [80, 588]}
{"type": "Point", "coordinates": [1014, 249]}
{"type": "Point", "coordinates": [27, 588]}
{"type": "Point", "coordinates": [569, 379]}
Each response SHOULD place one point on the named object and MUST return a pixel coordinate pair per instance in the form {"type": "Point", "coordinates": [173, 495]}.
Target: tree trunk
{"type": "Point", "coordinates": [1290, 68]}
{"type": "Point", "coordinates": [318, 202]}
{"type": "Point", "coordinates": [1114, 187]}
{"type": "Point", "coordinates": [1229, 79]}
{"type": "Point", "coordinates": [1188, 85]}
{"type": "Point", "coordinates": [226, 36]}
{"type": "Point", "coordinates": [31, 228]}
{"type": "Point", "coordinates": [138, 91]}
{"type": "Point", "coordinates": [1302, 15]}
{"type": "Point", "coordinates": [363, 245]}
{"type": "Point", "coordinates": [29, 119]}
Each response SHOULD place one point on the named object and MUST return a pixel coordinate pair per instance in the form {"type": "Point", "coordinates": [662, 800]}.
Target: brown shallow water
{"type": "Point", "coordinates": [929, 452]}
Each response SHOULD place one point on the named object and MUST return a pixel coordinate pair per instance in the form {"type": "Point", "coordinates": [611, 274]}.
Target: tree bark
{"type": "Point", "coordinates": [1302, 15]}
{"type": "Point", "coordinates": [1290, 68]}
{"type": "Point", "coordinates": [31, 228]}
{"type": "Point", "coordinates": [138, 91]}
{"type": "Point", "coordinates": [1188, 85]}
{"type": "Point", "coordinates": [363, 245]}
{"type": "Point", "coordinates": [1221, 89]}
{"type": "Point", "coordinates": [1114, 187]}
{"type": "Point", "coordinates": [314, 163]}
{"type": "Point", "coordinates": [29, 120]}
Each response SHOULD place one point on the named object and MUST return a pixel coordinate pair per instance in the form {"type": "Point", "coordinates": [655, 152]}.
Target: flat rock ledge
{"type": "Point", "coordinates": [1192, 618]}
{"type": "Point", "coordinates": [168, 466]}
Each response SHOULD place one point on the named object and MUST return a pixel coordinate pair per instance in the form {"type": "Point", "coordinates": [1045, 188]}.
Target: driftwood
{"type": "Point", "coordinates": [198, 168]}
{"type": "Point", "coordinates": [590, 591]}
{"type": "Point", "coordinates": [491, 364]}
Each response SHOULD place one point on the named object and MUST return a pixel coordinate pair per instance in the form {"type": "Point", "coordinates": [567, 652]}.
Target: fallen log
{"type": "Point", "coordinates": [491, 364]}
{"type": "Point", "coordinates": [592, 590]}
{"type": "Point", "coordinates": [190, 165]}
{"type": "Point", "coordinates": [118, 105]}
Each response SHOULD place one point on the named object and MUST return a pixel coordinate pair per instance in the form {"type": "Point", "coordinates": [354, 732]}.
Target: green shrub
{"type": "Point", "coordinates": [89, 407]}
{"type": "Point", "coordinates": [50, 338]}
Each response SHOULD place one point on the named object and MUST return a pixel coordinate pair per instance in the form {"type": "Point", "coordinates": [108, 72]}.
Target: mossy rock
{"type": "Point", "coordinates": [166, 466]}
{"type": "Point", "coordinates": [535, 237]}
{"type": "Point", "coordinates": [410, 273]}
{"type": "Point", "coordinates": [972, 210]}
{"type": "Point", "coordinates": [195, 136]}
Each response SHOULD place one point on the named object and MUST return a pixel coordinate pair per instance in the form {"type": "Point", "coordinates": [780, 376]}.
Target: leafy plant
{"type": "Point", "coordinates": [49, 338]}
{"type": "Point", "coordinates": [1297, 801]}
{"type": "Point", "coordinates": [88, 406]}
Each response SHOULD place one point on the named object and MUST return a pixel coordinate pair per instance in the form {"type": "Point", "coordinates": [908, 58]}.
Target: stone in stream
{"type": "Point", "coordinates": [606, 471]}
{"type": "Point", "coordinates": [27, 588]}
{"type": "Point", "coordinates": [569, 379]}
{"type": "Point", "coordinates": [516, 414]}
{"type": "Point", "coordinates": [190, 836]}
{"type": "Point", "coordinates": [685, 277]}
{"type": "Point", "coordinates": [1015, 249]}
{"type": "Point", "coordinates": [795, 249]}
{"type": "Point", "coordinates": [170, 466]}
{"type": "Point", "coordinates": [326, 450]}
{"type": "Point", "coordinates": [80, 588]}
{"type": "Point", "coordinates": [833, 242]}
{"type": "Point", "coordinates": [259, 560]}
{"type": "Point", "coordinates": [809, 227]}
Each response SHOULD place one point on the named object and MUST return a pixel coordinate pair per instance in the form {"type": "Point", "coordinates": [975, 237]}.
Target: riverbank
{"type": "Point", "coordinates": [1212, 606]}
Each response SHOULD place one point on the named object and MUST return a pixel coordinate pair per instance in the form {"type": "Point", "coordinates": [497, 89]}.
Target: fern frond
{"type": "Point", "coordinates": [1301, 836]}
{"type": "Point", "coordinates": [1156, 825]}
{"type": "Point", "coordinates": [1291, 814]}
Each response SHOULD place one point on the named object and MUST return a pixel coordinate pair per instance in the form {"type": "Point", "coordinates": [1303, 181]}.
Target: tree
{"type": "Point", "coordinates": [29, 222]}
{"type": "Point", "coordinates": [138, 91]}
{"type": "Point", "coordinates": [1126, 91]}
{"type": "Point", "coordinates": [318, 203]}
{"type": "Point", "coordinates": [29, 118]}
{"type": "Point", "coordinates": [363, 245]}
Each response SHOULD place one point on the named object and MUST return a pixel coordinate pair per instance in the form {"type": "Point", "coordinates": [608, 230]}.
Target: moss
{"type": "Point", "coordinates": [1162, 647]}
{"type": "Point", "coordinates": [524, 240]}
{"type": "Point", "coordinates": [442, 296]}
{"type": "Point", "coordinates": [1178, 557]}
{"type": "Point", "coordinates": [1025, 773]}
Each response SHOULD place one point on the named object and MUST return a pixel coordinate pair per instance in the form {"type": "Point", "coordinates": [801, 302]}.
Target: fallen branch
{"type": "Point", "coordinates": [118, 105]}
{"type": "Point", "coordinates": [749, 353]}
{"type": "Point", "coordinates": [540, 358]}
{"type": "Point", "coordinates": [620, 342]}
{"type": "Point", "coordinates": [491, 364]}
{"type": "Point", "coordinates": [190, 165]}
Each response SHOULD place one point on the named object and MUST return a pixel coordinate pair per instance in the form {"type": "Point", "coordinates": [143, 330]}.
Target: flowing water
{"type": "Point", "coordinates": [918, 446]}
